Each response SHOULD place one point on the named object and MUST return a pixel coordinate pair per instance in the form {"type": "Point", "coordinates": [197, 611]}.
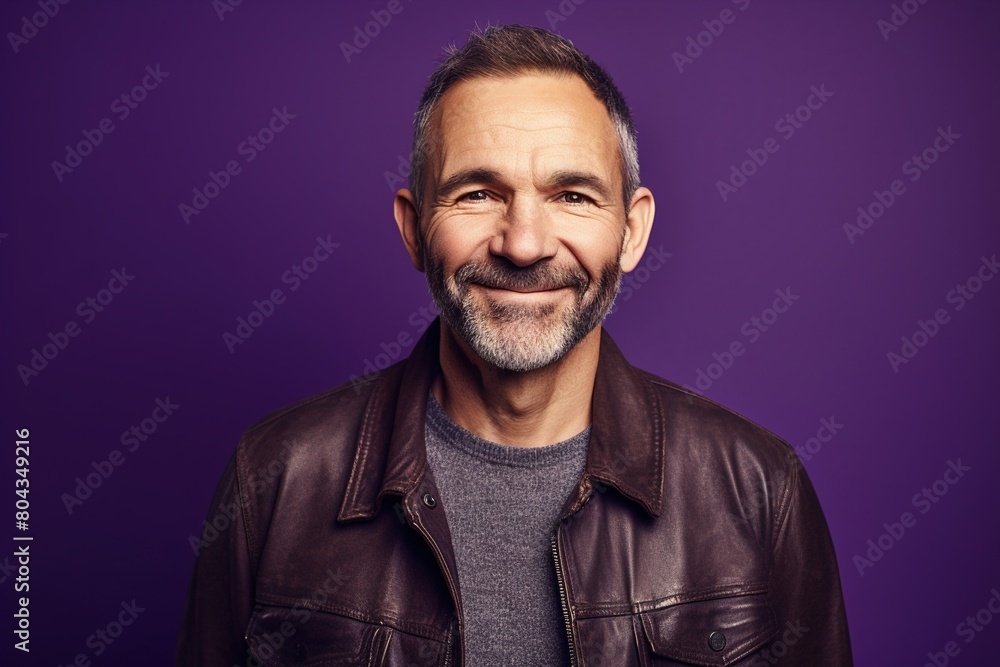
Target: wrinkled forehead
{"type": "Point", "coordinates": [537, 121]}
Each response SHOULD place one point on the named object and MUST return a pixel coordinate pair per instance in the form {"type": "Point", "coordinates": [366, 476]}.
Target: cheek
{"type": "Point", "coordinates": [453, 244]}
{"type": "Point", "coordinates": [446, 260]}
{"type": "Point", "coordinates": [596, 252]}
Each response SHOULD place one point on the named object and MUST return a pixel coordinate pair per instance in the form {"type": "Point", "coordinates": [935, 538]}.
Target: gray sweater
{"type": "Point", "coordinates": [502, 503]}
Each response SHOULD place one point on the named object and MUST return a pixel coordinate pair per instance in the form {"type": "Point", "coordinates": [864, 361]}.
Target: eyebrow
{"type": "Point", "coordinates": [560, 179]}
{"type": "Point", "coordinates": [570, 179]}
{"type": "Point", "coordinates": [466, 177]}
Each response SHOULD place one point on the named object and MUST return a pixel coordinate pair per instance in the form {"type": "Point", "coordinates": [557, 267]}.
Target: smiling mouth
{"type": "Point", "coordinates": [521, 291]}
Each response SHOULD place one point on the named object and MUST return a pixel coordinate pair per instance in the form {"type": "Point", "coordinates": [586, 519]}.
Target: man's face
{"type": "Point", "coordinates": [524, 223]}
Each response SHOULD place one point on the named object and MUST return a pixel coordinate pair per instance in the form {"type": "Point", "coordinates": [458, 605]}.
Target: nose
{"type": "Point", "coordinates": [524, 235]}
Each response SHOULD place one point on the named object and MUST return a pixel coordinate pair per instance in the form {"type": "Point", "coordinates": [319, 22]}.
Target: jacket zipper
{"type": "Point", "coordinates": [419, 527]}
{"type": "Point", "coordinates": [447, 647]}
{"type": "Point", "coordinates": [562, 598]}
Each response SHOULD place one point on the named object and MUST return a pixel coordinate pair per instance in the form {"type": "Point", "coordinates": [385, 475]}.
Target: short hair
{"type": "Point", "coordinates": [514, 49]}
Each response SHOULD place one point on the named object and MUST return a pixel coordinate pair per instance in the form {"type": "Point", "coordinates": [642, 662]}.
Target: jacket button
{"type": "Point", "coordinates": [430, 501]}
{"type": "Point", "coordinates": [300, 652]}
{"type": "Point", "coordinates": [717, 641]}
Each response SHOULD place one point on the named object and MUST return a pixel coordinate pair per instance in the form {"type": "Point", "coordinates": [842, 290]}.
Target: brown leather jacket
{"type": "Point", "coordinates": [694, 537]}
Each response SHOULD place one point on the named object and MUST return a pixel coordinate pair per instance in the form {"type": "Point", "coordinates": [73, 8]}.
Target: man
{"type": "Point", "coordinates": [515, 492]}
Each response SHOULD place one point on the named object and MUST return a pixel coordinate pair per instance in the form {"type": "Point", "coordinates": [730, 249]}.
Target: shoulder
{"type": "Point", "coordinates": [322, 425]}
{"type": "Point", "coordinates": [698, 426]}
{"type": "Point", "coordinates": [723, 458]}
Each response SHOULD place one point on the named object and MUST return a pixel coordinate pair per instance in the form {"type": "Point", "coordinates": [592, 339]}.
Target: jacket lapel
{"type": "Point", "coordinates": [627, 441]}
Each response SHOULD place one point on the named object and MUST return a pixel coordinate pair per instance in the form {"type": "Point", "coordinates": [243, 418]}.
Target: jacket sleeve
{"type": "Point", "coordinates": [221, 593]}
{"type": "Point", "coordinates": [804, 583]}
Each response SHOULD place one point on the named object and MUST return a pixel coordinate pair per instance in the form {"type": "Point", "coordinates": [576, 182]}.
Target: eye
{"type": "Point", "coordinates": [576, 198]}
{"type": "Point", "coordinates": [476, 195]}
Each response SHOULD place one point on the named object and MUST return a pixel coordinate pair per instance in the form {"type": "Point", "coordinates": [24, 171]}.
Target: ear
{"type": "Point", "coordinates": [405, 211]}
{"type": "Point", "coordinates": [638, 225]}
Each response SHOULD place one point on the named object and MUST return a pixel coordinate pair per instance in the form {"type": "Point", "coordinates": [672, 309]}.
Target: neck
{"type": "Point", "coordinates": [529, 409]}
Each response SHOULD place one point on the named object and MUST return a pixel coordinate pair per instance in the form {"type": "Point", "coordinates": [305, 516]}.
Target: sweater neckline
{"type": "Point", "coordinates": [457, 436]}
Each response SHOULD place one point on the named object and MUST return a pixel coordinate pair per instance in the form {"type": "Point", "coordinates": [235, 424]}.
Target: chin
{"type": "Point", "coordinates": [521, 346]}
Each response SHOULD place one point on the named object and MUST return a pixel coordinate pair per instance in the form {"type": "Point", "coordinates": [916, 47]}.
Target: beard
{"type": "Point", "coordinates": [517, 336]}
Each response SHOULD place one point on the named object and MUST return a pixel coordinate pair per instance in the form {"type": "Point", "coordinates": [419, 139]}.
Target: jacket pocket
{"type": "Point", "coordinates": [282, 636]}
{"type": "Point", "coordinates": [299, 636]}
{"type": "Point", "coordinates": [718, 631]}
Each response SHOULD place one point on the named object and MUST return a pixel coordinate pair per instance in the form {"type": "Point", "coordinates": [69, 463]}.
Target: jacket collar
{"type": "Point", "coordinates": [626, 438]}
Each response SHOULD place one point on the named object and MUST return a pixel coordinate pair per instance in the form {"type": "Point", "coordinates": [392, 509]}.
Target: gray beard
{"type": "Point", "coordinates": [522, 337]}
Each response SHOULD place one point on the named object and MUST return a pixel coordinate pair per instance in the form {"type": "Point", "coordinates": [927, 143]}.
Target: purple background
{"type": "Point", "coordinates": [326, 175]}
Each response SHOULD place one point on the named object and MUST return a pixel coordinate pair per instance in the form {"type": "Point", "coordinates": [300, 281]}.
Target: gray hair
{"type": "Point", "coordinates": [515, 49]}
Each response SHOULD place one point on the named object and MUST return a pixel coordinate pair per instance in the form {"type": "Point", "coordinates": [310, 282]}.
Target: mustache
{"type": "Point", "coordinates": [536, 277]}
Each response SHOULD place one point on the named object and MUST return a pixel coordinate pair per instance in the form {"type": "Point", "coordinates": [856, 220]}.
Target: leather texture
{"type": "Point", "coordinates": [694, 537]}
